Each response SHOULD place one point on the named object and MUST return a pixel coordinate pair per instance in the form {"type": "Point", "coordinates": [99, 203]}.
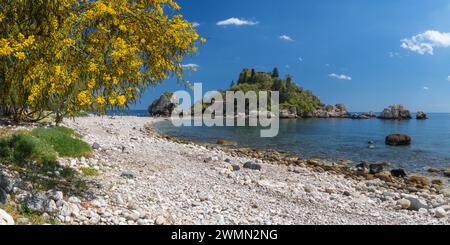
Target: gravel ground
{"type": "Point", "coordinates": [145, 179]}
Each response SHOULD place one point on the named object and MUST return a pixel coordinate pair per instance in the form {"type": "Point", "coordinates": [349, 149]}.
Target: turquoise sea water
{"type": "Point", "coordinates": [341, 139]}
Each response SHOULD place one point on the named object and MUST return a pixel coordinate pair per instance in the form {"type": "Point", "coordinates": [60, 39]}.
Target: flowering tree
{"type": "Point", "coordinates": [62, 56]}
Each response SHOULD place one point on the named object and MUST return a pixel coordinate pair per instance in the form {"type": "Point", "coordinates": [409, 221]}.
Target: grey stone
{"type": "Point", "coordinates": [37, 202]}
{"type": "Point", "coordinates": [3, 196]}
{"type": "Point", "coordinates": [440, 213]}
{"type": "Point", "coordinates": [128, 175]}
{"type": "Point", "coordinates": [96, 146]}
{"type": "Point", "coordinates": [253, 166]}
{"type": "Point", "coordinates": [417, 204]}
{"type": "Point", "coordinates": [55, 195]}
{"type": "Point", "coordinates": [5, 183]}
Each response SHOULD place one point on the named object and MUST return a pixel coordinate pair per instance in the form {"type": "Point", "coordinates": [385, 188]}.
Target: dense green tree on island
{"type": "Point", "coordinates": [275, 73]}
{"type": "Point", "coordinates": [291, 95]}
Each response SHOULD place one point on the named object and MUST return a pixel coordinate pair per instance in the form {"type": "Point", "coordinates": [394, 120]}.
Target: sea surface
{"type": "Point", "coordinates": [341, 139]}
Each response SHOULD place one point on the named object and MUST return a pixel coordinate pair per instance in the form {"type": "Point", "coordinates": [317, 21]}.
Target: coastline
{"type": "Point", "coordinates": [145, 178]}
{"type": "Point", "coordinates": [298, 194]}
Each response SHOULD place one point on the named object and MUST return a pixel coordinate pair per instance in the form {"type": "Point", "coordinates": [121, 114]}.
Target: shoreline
{"type": "Point", "coordinates": [146, 179]}
{"type": "Point", "coordinates": [283, 157]}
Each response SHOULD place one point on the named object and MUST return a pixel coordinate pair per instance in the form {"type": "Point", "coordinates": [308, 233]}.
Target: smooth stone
{"type": "Point", "coordinates": [417, 204]}
{"type": "Point", "coordinates": [5, 218]}
{"type": "Point", "coordinates": [404, 203]}
{"type": "Point", "coordinates": [128, 175]}
{"type": "Point", "coordinates": [253, 166]}
{"type": "Point", "coordinates": [440, 213]}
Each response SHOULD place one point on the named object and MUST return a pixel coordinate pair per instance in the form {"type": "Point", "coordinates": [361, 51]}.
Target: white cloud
{"type": "Point", "coordinates": [426, 42]}
{"type": "Point", "coordinates": [448, 78]}
{"type": "Point", "coordinates": [286, 38]}
{"type": "Point", "coordinates": [426, 88]}
{"type": "Point", "coordinates": [300, 59]}
{"type": "Point", "coordinates": [340, 76]}
{"type": "Point", "coordinates": [237, 22]}
{"type": "Point", "coordinates": [394, 55]}
{"type": "Point", "coordinates": [195, 24]}
{"type": "Point", "coordinates": [191, 67]}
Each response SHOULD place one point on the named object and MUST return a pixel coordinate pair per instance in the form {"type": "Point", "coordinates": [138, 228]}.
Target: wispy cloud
{"type": "Point", "coordinates": [448, 78]}
{"type": "Point", "coordinates": [426, 88]}
{"type": "Point", "coordinates": [394, 55]}
{"type": "Point", "coordinates": [193, 67]}
{"type": "Point", "coordinates": [340, 76]}
{"type": "Point", "coordinates": [426, 42]}
{"type": "Point", "coordinates": [300, 59]}
{"type": "Point", "coordinates": [237, 22]}
{"type": "Point", "coordinates": [286, 38]}
{"type": "Point", "coordinates": [195, 24]}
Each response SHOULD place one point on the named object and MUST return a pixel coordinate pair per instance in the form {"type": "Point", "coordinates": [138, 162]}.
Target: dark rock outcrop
{"type": "Point", "coordinates": [395, 112]}
{"type": "Point", "coordinates": [164, 106]}
{"type": "Point", "coordinates": [399, 173]}
{"type": "Point", "coordinates": [359, 116]}
{"type": "Point", "coordinates": [421, 115]}
{"type": "Point", "coordinates": [370, 114]}
{"type": "Point", "coordinates": [398, 140]}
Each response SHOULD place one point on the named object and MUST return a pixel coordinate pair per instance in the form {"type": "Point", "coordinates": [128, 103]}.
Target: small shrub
{"type": "Point", "coordinates": [65, 141]}
{"type": "Point", "coordinates": [21, 148]}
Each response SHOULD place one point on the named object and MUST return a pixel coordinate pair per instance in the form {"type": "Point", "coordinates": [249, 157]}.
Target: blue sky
{"type": "Point", "coordinates": [365, 54]}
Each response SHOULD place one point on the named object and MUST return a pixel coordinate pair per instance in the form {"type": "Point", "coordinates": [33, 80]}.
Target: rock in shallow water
{"type": "Point", "coordinates": [398, 173]}
{"type": "Point", "coordinates": [421, 115]}
{"type": "Point", "coordinates": [398, 140]}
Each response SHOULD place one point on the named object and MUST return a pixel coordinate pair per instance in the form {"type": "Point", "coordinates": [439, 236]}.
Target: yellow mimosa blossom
{"type": "Point", "coordinates": [81, 55]}
{"type": "Point", "coordinates": [121, 100]}
{"type": "Point", "coordinates": [101, 100]}
{"type": "Point", "coordinates": [91, 83]}
{"type": "Point", "coordinates": [92, 67]}
{"type": "Point", "coordinates": [20, 55]}
{"type": "Point", "coordinates": [83, 99]}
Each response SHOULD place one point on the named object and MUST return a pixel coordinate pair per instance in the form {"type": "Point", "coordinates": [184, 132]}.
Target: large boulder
{"type": "Point", "coordinates": [421, 115]}
{"type": "Point", "coordinates": [398, 140]}
{"type": "Point", "coordinates": [395, 112]}
{"type": "Point", "coordinates": [164, 106]}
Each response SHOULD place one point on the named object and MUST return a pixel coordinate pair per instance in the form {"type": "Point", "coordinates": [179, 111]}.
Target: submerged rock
{"type": "Point", "coordinates": [398, 140]}
{"type": "Point", "coordinates": [395, 112]}
{"type": "Point", "coordinates": [376, 168]}
{"type": "Point", "coordinates": [225, 142]}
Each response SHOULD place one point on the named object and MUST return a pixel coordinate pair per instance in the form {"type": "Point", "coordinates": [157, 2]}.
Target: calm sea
{"type": "Point", "coordinates": [341, 139]}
